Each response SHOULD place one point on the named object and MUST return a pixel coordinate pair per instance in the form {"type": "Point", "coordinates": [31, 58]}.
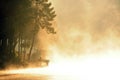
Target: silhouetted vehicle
{"type": "Point", "coordinates": [44, 62]}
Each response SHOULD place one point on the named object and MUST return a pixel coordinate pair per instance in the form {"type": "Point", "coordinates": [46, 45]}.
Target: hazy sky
{"type": "Point", "coordinates": [87, 25]}
{"type": "Point", "coordinates": [84, 13]}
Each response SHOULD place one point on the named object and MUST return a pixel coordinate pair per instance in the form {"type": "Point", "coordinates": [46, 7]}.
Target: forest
{"type": "Point", "coordinates": [20, 21]}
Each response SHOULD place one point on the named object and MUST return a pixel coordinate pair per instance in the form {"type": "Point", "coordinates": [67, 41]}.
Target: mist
{"type": "Point", "coordinates": [83, 27]}
{"type": "Point", "coordinates": [87, 42]}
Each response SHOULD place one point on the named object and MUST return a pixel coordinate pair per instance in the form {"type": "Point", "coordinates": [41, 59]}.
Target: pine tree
{"type": "Point", "coordinates": [44, 16]}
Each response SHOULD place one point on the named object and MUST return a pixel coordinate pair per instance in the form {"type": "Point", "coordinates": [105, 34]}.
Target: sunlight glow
{"type": "Point", "coordinates": [89, 67]}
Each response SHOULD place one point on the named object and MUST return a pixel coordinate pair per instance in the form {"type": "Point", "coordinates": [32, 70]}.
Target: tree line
{"type": "Point", "coordinates": [20, 21]}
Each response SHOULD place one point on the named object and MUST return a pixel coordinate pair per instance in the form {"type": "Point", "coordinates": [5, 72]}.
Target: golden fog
{"type": "Point", "coordinates": [83, 27]}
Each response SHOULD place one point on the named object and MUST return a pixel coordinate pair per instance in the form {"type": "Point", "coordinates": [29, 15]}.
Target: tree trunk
{"type": "Point", "coordinates": [32, 44]}
{"type": "Point", "coordinates": [21, 48]}
{"type": "Point", "coordinates": [24, 51]}
{"type": "Point", "coordinates": [19, 45]}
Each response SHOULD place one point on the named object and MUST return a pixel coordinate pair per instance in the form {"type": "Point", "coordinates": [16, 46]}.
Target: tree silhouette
{"type": "Point", "coordinates": [44, 14]}
{"type": "Point", "coordinates": [20, 21]}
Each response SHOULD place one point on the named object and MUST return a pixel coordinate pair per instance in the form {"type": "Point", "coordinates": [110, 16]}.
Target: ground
{"type": "Point", "coordinates": [34, 77]}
